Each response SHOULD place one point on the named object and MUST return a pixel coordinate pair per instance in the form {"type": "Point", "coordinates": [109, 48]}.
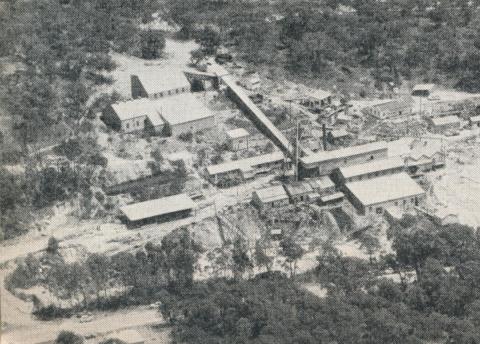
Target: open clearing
{"type": "Point", "coordinates": [176, 57]}
{"type": "Point", "coordinates": [456, 189]}
{"type": "Point", "coordinates": [106, 322]}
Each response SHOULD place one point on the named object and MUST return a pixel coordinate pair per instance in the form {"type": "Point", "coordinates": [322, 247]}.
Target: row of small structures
{"type": "Point", "coordinates": [370, 187]}
{"type": "Point", "coordinates": [371, 182]}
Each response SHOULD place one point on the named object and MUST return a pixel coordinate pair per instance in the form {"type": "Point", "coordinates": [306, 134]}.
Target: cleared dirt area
{"type": "Point", "coordinates": [41, 332]}
{"type": "Point", "coordinates": [176, 57]}
{"type": "Point", "coordinates": [455, 189]}
{"type": "Point", "coordinates": [315, 289]}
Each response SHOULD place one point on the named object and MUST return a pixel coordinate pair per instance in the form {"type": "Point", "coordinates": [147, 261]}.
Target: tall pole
{"type": "Point", "coordinates": [296, 151]}
{"type": "Point", "coordinates": [421, 106]}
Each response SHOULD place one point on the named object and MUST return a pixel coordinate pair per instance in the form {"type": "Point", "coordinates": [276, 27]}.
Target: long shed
{"type": "Point", "coordinates": [157, 210]}
{"type": "Point", "coordinates": [373, 196]}
{"type": "Point", "coordinates": [323, 163]}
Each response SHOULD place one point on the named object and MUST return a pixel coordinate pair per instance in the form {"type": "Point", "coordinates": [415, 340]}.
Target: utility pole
{"type": "Point", "coordinates": [296, 150]}
{"type": "Point", "coordinates": [421, 106]}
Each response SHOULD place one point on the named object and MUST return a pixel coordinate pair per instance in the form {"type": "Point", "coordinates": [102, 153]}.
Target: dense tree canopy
{"type": "Point", "coordinates": [424, 40]}
{"type": "Point", "coordinates": [13, 218]}
{"type": "Point", "coordinates": [363, 304]}
{"type": "Point", "coordinates": [61, 50]}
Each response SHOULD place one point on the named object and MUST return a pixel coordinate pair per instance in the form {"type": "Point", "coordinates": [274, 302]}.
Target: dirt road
{"type": "Point", "coordinates": [41, 332]}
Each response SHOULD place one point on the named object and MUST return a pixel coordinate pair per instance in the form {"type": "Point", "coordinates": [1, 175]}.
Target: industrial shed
{"type": "Point", "coordinates": [474, 121]}
{"type": "Point", "coordinates": [162, 84]}
{"type": "Point", "coordinates": [270, 197]}
{"type": "Point", "coordinates": [181, 113]}
{"type": "Point", "coordinates": [238, 138]}
{"type": "Point", "coordinates": [158, 210]}
{"type": "Point", "coordinates": [184, 113]}
{"type": "Point", "coordinates": [440, 125]}
{"type": "Point", "coordinates": [323, 185]}
{"type": "Point", "coordinates": [133, 116]}
{"type": "Point", "coordinates": [423, 90]}
{"type": "Point", "coordinates": [223, 174]}
{"type": "Point", "coordinates": [369, 170]}
{"type": "Point", "coordinates": [373, 196]}
{"type": "Point", "coordinates": [323, 163]}
{"type": "Point", "coordinates": [299, 191]}
{"type": "Point", "coordinates": [392, 108]}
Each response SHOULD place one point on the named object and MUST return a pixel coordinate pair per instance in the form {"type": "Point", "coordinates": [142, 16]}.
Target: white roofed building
{"type": "Point", "coordinates": [133, 116]}
{"type": "Point", "coordinates": [324, 162]}
{"type": "Point", "coordinates": [270, 197]}
{"type": "Point", "coordinates": [392, 108]}
{"type": "Point", "coordinates": [474, 121]}
{"type": "Point", "coordinates": [185, 156]}
{"type": "Point", "coordinates": [165, 83]}
{"type": "Point", "coordinates": [157, 210]}
{"type": "Point", "coordinates": [322, 185]}
{"type": "Point", "coordinates": [232, 172]}
{"type": "Point", "coordinates": [373, 196]}
{"type": "Point", "coordinates": [238, 139]}
{"type": "Point", "coordinates": [325, 189]}
{"type": "Point", "coordinates": [300, 192]}
{"type": "Point", "coordinates": [343, 118]}
{"type": "Point", "coordinates": [440, 125]}
{"type": "Point", "coordinates": [251, 81]}
{"type": "Point", "coordinates": [179, 113]}
{"type": "Point", "coordinates": [317, 99]}
{"type": "Point", "coordinates": [184, 113]}
{"type": "Point", "coordinates": [338, 135]}
{"type": "Point", "coordinates": [369, 170]}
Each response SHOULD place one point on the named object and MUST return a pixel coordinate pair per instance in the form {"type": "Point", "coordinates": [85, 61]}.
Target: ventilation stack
{"type": "Point", "coordinates": [324, 138]}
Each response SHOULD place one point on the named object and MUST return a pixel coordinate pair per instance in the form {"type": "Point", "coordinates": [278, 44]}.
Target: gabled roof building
{"type": "Point", "coordinates": [238, 138]}
{"type": "Point", "coordinates": [133, 116]}
{"type": "Point", "coordinates": [184, 113]}
{"type": "Point", "coordinates": [324, 162]}
{"type": "Point", "coordinates": [299, 191]}
{"type": "Point", "coordinates": [373, 196]}
{"type": "Point", "coordinates": [181, 113]}
{"type": "Point", "coordinates": [423, 90]}
{"type": "Point", "coordinates": [157, 210]}
{"type": "Point", "coordinates": [393, 108]}
{"type": "Point", "coordinates": [369, 170]}
{"type": "Point", "coordinates": [439, 125]}
{"type": "Point", "coordinates": [270, 197]}
{"type": "Point", "coordinates": [245, 168]}
{"type": "Point", "coordinates": [158, 85]}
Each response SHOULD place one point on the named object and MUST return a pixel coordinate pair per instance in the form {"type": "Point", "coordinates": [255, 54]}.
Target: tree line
{"type": "Point", "coordinates": [434, 297]}
{"type": "Point", "coordinates": [61, 50]}
{"type": "Point", "coordinates": [61, 53]}
{"type": "Point", "coordinates": [426, 290]}
{"type": "Point", "coordinates": [107, 282]}
{"type": "Point", "coordinates": [393, 40]}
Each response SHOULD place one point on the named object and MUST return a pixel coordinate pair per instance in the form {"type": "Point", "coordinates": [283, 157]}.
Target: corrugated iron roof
{"type": "Point", "coordinates": [384, 189]}
{"type": "Point", "coordinates": [157, 207]}
{"type": "Point", "coordinates": [423, 87]}
{"type": "Point", "coordinates": [445, 120]}
{"type": "Point", "coordinates": [181, 108]}
{"type": "Point", "coordinates": [237, 133]}
{"type": "Point", "coordinates": [371, 167]}
{"type": "Point", "coordinates": [298, 188]}
{"type": "Point", "coordinates": [136, 108]}
{"type": "Point", "coordinates": [344, 152]}
{"type": "Point", "coordinates": [164, 80]}
{"type": "Point", "coordinates": [245, 163]}
{"type": "Point", "coordinates": [271, 193]}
